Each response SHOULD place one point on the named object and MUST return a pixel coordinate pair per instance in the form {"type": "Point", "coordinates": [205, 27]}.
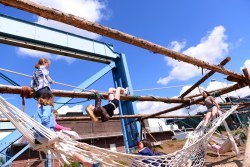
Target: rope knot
{"type": "Point", "coordinates": [27, 92]}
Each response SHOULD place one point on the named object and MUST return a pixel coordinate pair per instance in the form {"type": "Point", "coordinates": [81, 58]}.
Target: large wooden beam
{"type": "Point", "coordinates": [233, 103]}
{"type": "Point", "coordinates": [246, 79]}
{"type": "Point", "coordinates": [232, 79]}
{"type": "Point", "coordinates": [246, 162]}
{"type": "Point", "coordinates": [82, 23]}
{"type": "Point", "coordinates": [115, 117]}
{"type": "Point", "coordinates": [246, 74]}
{"type": "Point", "coordinates": [198, 100]}
{"type": "Point", "coordinates": [204, 78]}
{"type": "Point", "coordinates": [62, 93]}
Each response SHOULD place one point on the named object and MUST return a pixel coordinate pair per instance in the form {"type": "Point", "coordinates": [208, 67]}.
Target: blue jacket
{"type": "Point", "coordinates": [45, 116]}
{"type": "Point", "coordinates": [146, 151]}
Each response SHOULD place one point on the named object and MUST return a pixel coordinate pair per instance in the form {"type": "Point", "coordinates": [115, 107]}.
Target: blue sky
{"type": "Point", "coordinates": [209, 30]}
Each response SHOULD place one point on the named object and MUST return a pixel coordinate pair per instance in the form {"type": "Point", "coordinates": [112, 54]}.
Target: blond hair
{"type": "Point", "coordinates": [41, 62]}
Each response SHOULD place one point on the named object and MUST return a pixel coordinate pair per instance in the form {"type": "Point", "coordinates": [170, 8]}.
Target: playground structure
{"type": "Point", "coordinates": [94, 51]}
{"type": "Point", "coordinates": [63, 147]}
{"type": "Point", "coordinates": [115, 60]}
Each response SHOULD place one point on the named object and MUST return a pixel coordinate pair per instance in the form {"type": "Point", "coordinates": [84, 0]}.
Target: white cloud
{"type": "Point", "coordinates": [238, 43]}
{"type": "Point", "coordinates": [184, 88]}
{"type": "Point", "coordinates": [32, 53]}
{"type": "Point", "coordinates": [154, 107]}
{"type": "Point", "coordinates": [211, 48]}
{"type": "Point", "coordinates": [91, 10]}
{"type": "Point", "coordinates": [246, 64]}
{"type": "Point", "coordinates": [39, 54]}
{"type": "Point", "coordinates": [177, 46]}
{"type": "Point", "coordinates": [65, 109]}
{"type": "Point", "coordinates": [148, 107]}
{"type": "Point", "coordinates": [243, 92]}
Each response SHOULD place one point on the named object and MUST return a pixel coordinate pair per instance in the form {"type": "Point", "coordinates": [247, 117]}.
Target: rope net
{"type": "Point", "coordinates": [63, 146]}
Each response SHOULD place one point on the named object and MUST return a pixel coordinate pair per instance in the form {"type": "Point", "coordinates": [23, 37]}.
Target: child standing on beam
{"type": "Point", "coordinates": [41, 80]}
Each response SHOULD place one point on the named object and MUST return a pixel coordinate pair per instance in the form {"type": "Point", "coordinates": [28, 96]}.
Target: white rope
{"type": "Point", "coordinates": [29, 76]}
{"type": "Point", "coordinates": [75, 87]}
{"type": "Point", "coordinates": [63, 147]}
{"type": "Point", "coordinates": [167, 87]}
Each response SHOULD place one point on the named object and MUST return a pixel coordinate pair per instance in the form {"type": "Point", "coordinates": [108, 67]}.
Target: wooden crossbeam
{"type": "Point", "coordinates": [246, 161]}
{"type": "Point", "coordinates": [115, 117]}
{"type": "Point", "coordinates": [63, 93]}
{"type": "Point", "coordinates": [246, 74]}
{"type": "Point", "coordinates": [232, 79]}
{"type": "Point", "coordinates": [53, 14]}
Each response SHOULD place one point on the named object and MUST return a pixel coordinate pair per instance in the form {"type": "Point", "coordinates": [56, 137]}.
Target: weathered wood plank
{"type": "Point", "coordinates": [82, 23]}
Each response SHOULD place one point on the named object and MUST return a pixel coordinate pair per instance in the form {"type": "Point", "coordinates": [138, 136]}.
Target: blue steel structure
{"type": "Point", "coordinates": [25, 34]}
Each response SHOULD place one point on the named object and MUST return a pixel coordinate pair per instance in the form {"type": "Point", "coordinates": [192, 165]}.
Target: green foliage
{"type": "Point", "coordinates": [243, 137]}
{"type": "Point", "coordinates": [1, 160]}
{"type": "Point", "coordinates": [72, 164]}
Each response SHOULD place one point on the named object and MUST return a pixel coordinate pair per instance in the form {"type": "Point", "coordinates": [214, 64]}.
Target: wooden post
{"type": "Point", "coordinates": [204, 78]}
{"type": "Point", "coordinates": [246, 74]}
{"type": "Point", "coordinates": [17, 90]}
{"type": "Point", "coordinates": [53, 14]}
{"type": "Point", "coordinates": [144, 127]}
{"type": "Point", "coordinates": [231, 138]}
{"type": "Point", "coordinates": [115, 117]}
{"type": "Point", "coordinates": [62, 93]}
{"type": "Point", "coordinates": [232, 79]}
{"type": "Point", "coordinates": [246, 162]}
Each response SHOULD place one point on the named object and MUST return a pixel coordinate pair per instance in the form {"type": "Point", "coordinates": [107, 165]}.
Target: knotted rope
{"type": "Point", "coordinates": [26, 92]}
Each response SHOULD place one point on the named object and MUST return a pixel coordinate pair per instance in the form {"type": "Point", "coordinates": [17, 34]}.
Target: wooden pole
{"type": "Point", "coordinates": [60, 118]}
{"type": "Point", "coordinates": [232, 79]}
{"type": "Point", "coordinates": [246, 162]}
{"type": "Point", "coordinates": [230, 136]}
{"type": "Point", "coordinates": [53, 14]}
{"type": "Point", "coordinates": [221, 92]}
{"type": "Point", "coordinates": [62, 93]}
{"type": "Point", "coordinates": [116, 117]}
{"type": "Point", "coordinates": [204, 78]}
{"type": "Point", "coordinates": [238, 103]}
{"type": "Point", "coordinates": [246, 74]}
{"type": "Point", "coordinates": [144, 127]}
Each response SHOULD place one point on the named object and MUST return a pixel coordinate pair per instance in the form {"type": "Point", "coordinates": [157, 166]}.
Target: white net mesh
{"type": "Point", "coordinates": [63, 147]}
